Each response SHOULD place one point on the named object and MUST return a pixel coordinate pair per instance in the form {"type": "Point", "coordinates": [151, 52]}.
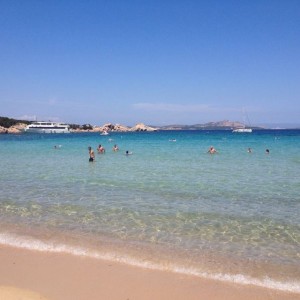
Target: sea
{"type": "Point", "coordinates": [232, 216]}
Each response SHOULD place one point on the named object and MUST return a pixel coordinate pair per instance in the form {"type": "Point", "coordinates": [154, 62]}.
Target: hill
{"type": "Point", "coordinates": [221, 125]}
{"type": "Point", "coordinates": [8, 122]}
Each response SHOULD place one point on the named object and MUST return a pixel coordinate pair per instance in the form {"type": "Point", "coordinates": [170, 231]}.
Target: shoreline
{"type": "Point", "coordinates": [61, 276]}
{"type": "Point", "coordinates": [34, 245]}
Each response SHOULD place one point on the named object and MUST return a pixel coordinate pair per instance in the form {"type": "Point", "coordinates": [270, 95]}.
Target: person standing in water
{"type": "Point", "coordinates": [101, 149]}
{"type": "Point", "coordinates": [92, 154]}
{"type": "Point", "coordinates": [212, 150]}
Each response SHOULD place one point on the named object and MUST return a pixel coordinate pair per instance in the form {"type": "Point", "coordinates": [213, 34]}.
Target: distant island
{"type": "Point", "coordinates": [10, 125]}
{"type": "Point", "coordinates": [221, 125]}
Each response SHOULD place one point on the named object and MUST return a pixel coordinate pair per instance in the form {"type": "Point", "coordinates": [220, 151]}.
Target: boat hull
{"type": "Point", "coordinates": [243, 130]}
{"type": "Point", "coordinates": [46, 130]}
{"type": "Point", "coordinates": [47, 127]}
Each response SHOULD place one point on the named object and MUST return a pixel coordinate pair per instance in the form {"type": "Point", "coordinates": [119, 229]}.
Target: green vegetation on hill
{"type": "Point", "coordinates": [7, 122]}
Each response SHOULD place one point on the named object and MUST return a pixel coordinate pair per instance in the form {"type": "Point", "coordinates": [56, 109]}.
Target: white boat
{"type": "Point", "coordinates": [47, 127]}
{"type": "Point", "coordinates": [242, 130]}
{"type": "Point", "coordinates": [104, 133]}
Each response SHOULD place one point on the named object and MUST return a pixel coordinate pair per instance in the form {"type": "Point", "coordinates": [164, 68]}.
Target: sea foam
{"type": "Point", "coordinates": [28, 243]}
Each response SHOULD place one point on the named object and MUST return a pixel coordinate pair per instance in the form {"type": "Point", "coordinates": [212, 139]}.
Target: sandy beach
{"type": "Point", "coordinates": [35, 275]}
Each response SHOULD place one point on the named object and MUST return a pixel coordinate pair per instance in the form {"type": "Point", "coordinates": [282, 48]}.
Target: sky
{"type": "Point", "coordinates": [159, 62]}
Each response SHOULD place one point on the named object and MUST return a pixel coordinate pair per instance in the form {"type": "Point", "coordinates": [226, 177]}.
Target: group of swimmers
{"type": "Point", "coordinates": [212, 150]}
{"type": "Point", "coordinates": [101, 150]}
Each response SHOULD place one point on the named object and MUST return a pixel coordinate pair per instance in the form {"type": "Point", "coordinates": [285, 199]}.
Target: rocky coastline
{"type": "Point", "coordinates": [14, 129]}
{"type": "Point", "coordinates": [11, 126]}
{"type": "Point", "coordinates": [108, 127]}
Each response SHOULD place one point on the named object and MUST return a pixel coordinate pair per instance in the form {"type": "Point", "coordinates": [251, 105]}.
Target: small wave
{"type": "Point", "coordinates": [28, 243]}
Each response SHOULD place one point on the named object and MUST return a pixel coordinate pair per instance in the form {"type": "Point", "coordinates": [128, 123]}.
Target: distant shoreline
{"type": "Point", "coordinates": [14, 126]}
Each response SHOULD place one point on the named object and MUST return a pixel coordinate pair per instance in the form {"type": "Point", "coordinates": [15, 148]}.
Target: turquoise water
{"type": "Point", "coordinates": [170, 205]}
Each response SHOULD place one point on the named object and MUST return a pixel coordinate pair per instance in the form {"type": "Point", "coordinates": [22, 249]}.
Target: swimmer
{"type": "Point", "coordinates": [128, 153]}
{"type": "Point", "coordinates": [212, 150]}
{"type": "Point", "coordinates": [267, 151]}
{"type": "Point", "coordinates": [92, 154]}
{"type": "Point", "coordinates": [101, 149]}
{"type": "Point", "coordinates": [115, 148]}
{"type": "Point", "coordinates": [249, 150]}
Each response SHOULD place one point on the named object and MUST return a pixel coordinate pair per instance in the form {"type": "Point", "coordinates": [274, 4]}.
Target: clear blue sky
{"type": "Point", "coordinates": [157, 62]}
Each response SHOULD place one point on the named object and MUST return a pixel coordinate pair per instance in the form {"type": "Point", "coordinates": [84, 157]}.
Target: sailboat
{"type": "Point", "coordinates": [248, 130]}
{"type": "Point", "coordinates": [243, 129]}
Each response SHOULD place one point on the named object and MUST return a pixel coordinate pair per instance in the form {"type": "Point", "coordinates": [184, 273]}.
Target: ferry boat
{"type": "Point", "coordinates": [47, 127]}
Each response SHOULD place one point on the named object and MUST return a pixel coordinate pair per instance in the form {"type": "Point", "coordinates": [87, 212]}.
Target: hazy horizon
{"type": "Point", "coordinates": [170, 62]}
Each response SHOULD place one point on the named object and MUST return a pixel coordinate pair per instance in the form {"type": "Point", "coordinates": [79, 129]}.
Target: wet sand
{"type": "Point", "coordinates": [12, 293]}
{"type": "Point", "coordinates": [26, 274]}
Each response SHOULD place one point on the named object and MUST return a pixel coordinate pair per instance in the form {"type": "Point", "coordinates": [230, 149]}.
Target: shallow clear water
{"type": "Point", "coordinates": [169, 205]}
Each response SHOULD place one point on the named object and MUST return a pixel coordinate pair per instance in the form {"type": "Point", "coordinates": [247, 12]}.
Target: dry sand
{"type": "Point", "coordinates": [30, 275]}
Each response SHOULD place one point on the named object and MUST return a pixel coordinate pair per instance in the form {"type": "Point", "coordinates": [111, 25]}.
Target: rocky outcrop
{"type": "Point", "coordinates": [142, 127]}
{"type": "Point", "coordinates": [121, 128]}
{"type": "Point", "coordinates": [3, 130]}
{"type": "Point", "coordinates": [15, 129]}
{"type": "Point", "coordinates": [116, 127]}
{"type": "Point", "coordinates": [97, 129]}
{"type": "Point", "coordinates": [18, 128]}
{"type": "Point", "coordinates": [109, 127]}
